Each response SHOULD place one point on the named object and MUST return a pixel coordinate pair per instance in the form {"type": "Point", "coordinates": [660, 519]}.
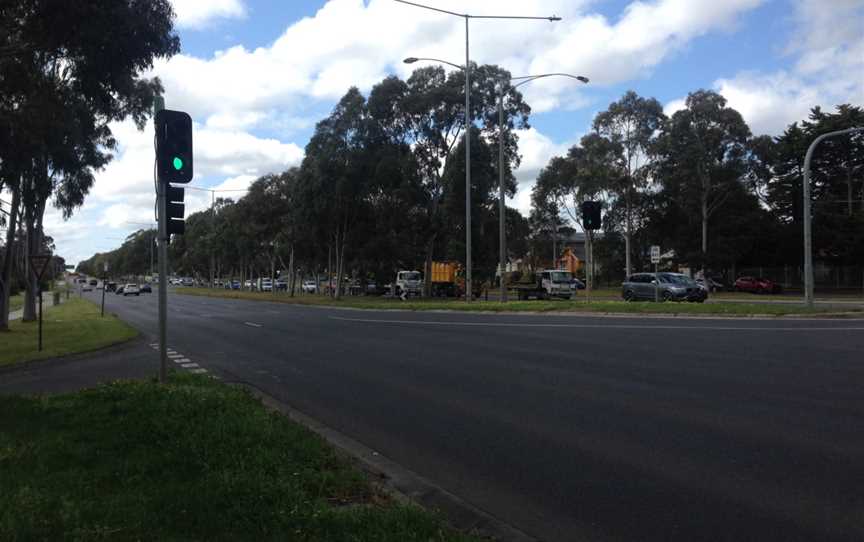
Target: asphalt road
{"type": "Point", "coordinates": [571, 427]}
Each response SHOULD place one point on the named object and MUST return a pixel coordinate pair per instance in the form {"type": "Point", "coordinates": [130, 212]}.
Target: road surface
{"type": "Point", "coordinates": [571, 427]}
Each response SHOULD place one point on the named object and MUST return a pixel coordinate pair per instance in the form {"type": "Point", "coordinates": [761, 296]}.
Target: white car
{"type": "Point", "coordinates": [266, 285]}
{"type": "Point", "coordinates": [309, 286]}
{"type": "Point", "coordinates": [131, 289]}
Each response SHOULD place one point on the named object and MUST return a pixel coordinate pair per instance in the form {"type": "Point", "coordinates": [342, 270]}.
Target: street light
{"type": "Point", "coordinates": [467, 68]}
{"type": "Point", "coordinates": [502, 207]}
{"type": "Point", "coordinates": [808, 241]}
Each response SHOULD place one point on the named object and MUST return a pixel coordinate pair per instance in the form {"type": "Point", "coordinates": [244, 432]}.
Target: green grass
{"type": "Point", "coordinates": [16, 302]}
{"type": "Point", "coordinates": [189, 460]}
{"type": "Point", "coordinates": [72, 327]}
{"type": "Point", "coordinates": [574, 306]}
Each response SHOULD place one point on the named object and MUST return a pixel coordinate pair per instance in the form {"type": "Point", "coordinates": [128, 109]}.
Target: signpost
{"type": "Point", "coordinates": [104, 285]}
{"type": "Point", "coordinates": [40, 263]}
{"type": "Point", "coordinates": [655, 259]}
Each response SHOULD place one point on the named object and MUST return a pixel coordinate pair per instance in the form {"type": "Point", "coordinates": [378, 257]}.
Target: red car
{"type": "Point", "coordinates": [757, 286]}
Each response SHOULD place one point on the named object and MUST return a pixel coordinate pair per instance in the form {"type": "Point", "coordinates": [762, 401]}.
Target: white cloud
{"type": "Point", "coordinates": [536, 150]}
{"type": "Point", "coordinates": [828, 69]}
{"type": "Point", "coordinates": [200, 13]}
{"type": "Point", "coordinates": [354, 42]}
{"type": "Point", "coordinates": [675, 105]}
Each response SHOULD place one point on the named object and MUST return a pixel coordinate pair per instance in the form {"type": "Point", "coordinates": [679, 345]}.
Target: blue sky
{"type": "Point", "coordinates": [257, 74]}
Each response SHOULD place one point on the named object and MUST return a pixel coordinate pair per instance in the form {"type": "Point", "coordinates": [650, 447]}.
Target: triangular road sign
{"type": "Point", "coordinates": [40, 262]}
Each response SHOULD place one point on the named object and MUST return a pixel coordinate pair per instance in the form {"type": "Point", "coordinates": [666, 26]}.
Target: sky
{"type": "Point", "coordinates": [256, 75]}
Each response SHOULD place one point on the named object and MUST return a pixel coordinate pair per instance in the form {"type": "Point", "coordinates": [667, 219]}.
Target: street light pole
{"type": "Point", "coordinates": [467, 16]}
{"type": "Point", "coordinates": [468, 281]}
{"type": "Point", "coordinates": [808, 241]}
{"type": "Point", "coordinates": [501, 204]}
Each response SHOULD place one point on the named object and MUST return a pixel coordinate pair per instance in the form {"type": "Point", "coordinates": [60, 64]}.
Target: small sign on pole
{"type": "Point", "coordinates": [655, 259]}
{"type": "Point", "coordinates": [40, 262]}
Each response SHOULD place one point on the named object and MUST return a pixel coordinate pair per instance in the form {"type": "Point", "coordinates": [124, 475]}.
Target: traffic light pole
{"type": "Point", "coordinates": [162, 202]}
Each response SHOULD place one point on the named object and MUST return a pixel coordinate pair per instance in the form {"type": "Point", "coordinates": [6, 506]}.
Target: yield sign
{"type": "Point", "coordinates": [40, 262]}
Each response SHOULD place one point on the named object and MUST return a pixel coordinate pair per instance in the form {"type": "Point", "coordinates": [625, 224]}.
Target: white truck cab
{"type": "Point", "coordinates": [409, 283]}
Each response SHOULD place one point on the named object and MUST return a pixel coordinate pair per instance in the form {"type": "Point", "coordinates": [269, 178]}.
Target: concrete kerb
{"type": "Point", "coordinates": [397, 481]}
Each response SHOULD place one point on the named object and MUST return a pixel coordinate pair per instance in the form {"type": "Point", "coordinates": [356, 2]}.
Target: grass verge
{"type": "Point", "coordinates": [16, 302]}
{"type": "Point", "coordinates": [72, 327]}
{"type": "Point", "coordinates": [189, 460]}
{"type": "Point", "coordinates": [575, 306]}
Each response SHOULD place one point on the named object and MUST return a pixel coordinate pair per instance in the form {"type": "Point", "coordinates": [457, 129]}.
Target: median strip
{"type": "Point", "coordinates": [172, 464]}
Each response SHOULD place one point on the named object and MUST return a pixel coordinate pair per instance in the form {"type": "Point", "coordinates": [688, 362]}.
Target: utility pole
{"type": "Point", "coordinates": [162, 203]}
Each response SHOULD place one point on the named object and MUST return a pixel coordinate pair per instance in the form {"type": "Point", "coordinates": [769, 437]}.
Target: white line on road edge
{"type": "Point", "coordinates": [253, 324]}
{"type": "Point", "coordinates": [189, 365]}
{"type": "Point", "coordinates": [182, 360]}
{"type": "Point", "coordinates": [593, 326]}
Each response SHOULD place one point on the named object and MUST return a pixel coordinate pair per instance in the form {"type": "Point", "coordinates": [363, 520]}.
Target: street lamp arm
{"type": "Point", "coordinates": [412, 60]}
{"type": "Point", "coordinates": [553, 18]}
{"type": "Point", "coordinates": [433, 9]}
{"type": "Point", "coordinates": [528, 78]}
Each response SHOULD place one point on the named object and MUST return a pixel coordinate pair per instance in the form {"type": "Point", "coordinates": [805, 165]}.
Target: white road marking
{"type": "Point", "coordinates": [253, 324]}
{"type": "Point", "coordinates": [189, 365]}
{"type": "Point", "coordinates": [175, 356]}
{"type": "Point", "coordinates": [593, 326]}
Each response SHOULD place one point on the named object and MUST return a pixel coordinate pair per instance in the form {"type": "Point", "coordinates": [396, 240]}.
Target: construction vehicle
{"type": "Point", "coordinates": [545, 284]}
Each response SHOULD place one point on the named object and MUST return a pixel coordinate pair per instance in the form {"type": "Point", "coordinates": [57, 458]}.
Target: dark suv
{"type": "Point", "coordinates": [672, 287]}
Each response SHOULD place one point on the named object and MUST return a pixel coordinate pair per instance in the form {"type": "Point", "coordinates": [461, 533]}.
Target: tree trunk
{"type": "Point", "coordinates": [30, 273]}
{"type": "Point", "coordinates": [292, 277]}
{"type": "Point", "coordinates": [628, 226]}
{"type": "Point", "coordinates": [329, 268]}
{"type": "Point", "coordinates": [340, 267]}
{"type": "Point", "coordinates": [849, 189]}
{"type": "Point", "coordinates": [704, 232]}
{"type": "Point", "coordinates": [427, 267]}
{"type": "Point", "coordinates": [6, 273]}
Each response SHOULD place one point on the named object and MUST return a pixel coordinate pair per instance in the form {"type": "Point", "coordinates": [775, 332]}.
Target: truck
{"type": "Point", "coordinates": [408, 283]}
{"type": "Point", "coordinates": [545, 284]}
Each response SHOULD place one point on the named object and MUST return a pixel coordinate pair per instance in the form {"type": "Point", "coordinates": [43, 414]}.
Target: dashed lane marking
{"type": "Point", "coordinates": [253, 324]}
{"type": "Point", "coordinates": [190, 365]}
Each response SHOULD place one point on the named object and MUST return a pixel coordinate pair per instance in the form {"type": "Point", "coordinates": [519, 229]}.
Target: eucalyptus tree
{"type": "Point", "coordinates": [631, 122]}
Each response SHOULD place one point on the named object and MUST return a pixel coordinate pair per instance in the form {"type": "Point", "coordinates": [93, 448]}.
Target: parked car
{"type": "Point", "coordinates": [712, 284]}
{"type": "Point", "coordinates": [757, 285]}
{"type": "Point", "coordinates": [86, 288]}
{"type": "Point", "coordinates": [281, 285]}
{"type": "Point", "coordinates": [309, 286]}
{"type": "Point", "coordinates": [266, 285]}
{"type": "Point", "coordinates": [111, 286]}
{"type": "Point", "coordinates": [119, 289]}
{"type": "Point", "coordinates": [146, 289]}
{"type": "Point", "coordinates": [131, 289]}
{"type": "Point", "coordinates": [667, 286]}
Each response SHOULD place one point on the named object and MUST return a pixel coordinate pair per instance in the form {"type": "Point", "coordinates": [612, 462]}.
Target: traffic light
{"type": "Point", "coordinates": [173, 146]}
{"type": "Point", "coordinates": [176, 209]}
{"type": "Point", "coordinates": [591, 218]}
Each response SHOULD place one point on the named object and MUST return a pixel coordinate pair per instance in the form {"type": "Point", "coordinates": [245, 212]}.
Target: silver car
{"type": "Point", "coordinates": [665, 286]}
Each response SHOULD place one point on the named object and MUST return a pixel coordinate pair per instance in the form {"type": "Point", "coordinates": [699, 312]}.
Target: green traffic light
{"type": "Point", "coordinates": [178, 163]}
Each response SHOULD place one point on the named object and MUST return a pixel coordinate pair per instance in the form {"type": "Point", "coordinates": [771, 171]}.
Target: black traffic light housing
{"type": "Point", "coordinates": [591, 216]}
{"type": "Point", "coordinates": [176, 209]}
{"type": "Point", "coordinates": [173, 146]}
